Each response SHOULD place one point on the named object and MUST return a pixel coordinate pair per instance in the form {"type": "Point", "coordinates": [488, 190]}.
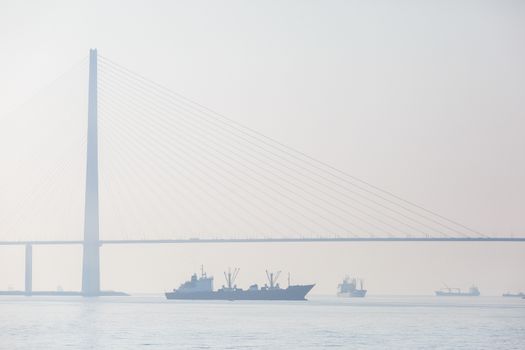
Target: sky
{"type": "Point", "coordinates": [422, 98]}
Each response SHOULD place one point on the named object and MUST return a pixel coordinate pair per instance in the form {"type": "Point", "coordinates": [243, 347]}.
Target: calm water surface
{"type": "Point", "coordinates": [150, 322]}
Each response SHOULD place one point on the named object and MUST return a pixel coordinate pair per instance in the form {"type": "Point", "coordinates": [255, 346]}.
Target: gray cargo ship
{"type": "Point", "coordinates": [201, 288]}
{"type": "Point", "coordinates": [349, 288]}
{"type": "Point", "coordinates": [456, 292]}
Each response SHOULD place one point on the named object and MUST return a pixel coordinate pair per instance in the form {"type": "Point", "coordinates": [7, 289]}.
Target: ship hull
{"type": "Point", "coordinates": [519, 295]}
{"type": "Point", "coordinates": [358, 293]}
{"type": "Point", "coordinates": [449, 294]}
{"type": "Point", "coordinates": [290, 293]}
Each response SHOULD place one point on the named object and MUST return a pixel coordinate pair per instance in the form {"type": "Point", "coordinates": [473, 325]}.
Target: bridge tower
{"type": "Point", "coordinates": [91, 246]}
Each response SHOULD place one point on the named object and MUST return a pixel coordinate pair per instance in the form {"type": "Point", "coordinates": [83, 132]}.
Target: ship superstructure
{"type": "Point", "coordinates": [348, 288]}
{"type": "Point", "coordinates": [197, 284]}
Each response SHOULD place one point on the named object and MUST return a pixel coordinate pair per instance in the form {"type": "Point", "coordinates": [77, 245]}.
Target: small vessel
{"type": "Point", "coordinates": [201, 288]}
{"type": "Point", "coordinates": [349, 288]}
{"type": "Point", "coordinates": [456, 292]}
{"type": "Point", "coordinates": [514, 295]}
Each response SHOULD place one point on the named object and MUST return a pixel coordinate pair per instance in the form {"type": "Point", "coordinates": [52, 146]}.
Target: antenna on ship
{"type": "Point", "coordinates": [288, 279]}
{"type": "Point", "coordinates": [231, 276]}
{"type": "Point", "coordinates": [272, 279]}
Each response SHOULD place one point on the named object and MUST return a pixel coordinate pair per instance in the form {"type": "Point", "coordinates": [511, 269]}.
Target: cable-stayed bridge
{"type": "Point", "coordinates": [160, 168]}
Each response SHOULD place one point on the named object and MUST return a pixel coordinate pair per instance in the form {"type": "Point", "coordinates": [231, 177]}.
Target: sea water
{"type": "Point", "coordinates": [151, 322]}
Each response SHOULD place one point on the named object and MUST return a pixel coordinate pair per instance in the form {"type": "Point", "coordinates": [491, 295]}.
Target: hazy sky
{"type": "Point", "coordinates": [423, 98]}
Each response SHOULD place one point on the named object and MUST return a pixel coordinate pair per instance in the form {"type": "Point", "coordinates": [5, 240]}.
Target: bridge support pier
{"type": "Point", "coordinates": [90, 258]}
{"type": "Point", "coordinates": [91, 270]}
{"type": "Point", "coordinates": [29, 270]}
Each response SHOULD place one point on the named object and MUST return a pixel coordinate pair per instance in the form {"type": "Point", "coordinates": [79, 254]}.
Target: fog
{"type": "Point", "coordinates": [423, 99]}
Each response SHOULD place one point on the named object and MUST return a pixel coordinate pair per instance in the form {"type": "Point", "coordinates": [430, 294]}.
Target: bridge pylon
{"type": "Point", "coordinates": [91, 244]}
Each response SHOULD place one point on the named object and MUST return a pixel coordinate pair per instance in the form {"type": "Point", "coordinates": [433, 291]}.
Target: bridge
{"type": "Point", "coordinates": [263, 190]}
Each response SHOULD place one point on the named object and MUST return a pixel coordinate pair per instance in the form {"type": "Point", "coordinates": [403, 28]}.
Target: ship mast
{"type": "Point", "coordinates": [231, 276]}
{"type": "Point", "coordinates": [272, 279]}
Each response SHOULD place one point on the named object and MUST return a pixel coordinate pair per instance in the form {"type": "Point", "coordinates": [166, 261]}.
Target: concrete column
{"type": "Point", "coordinates": [29, 270]}
{"type": "Point", "coordinates": [90, 259]}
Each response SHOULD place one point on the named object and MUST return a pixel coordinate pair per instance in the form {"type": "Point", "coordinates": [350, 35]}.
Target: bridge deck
{"type": "Point", "coordinates": [278, 240]}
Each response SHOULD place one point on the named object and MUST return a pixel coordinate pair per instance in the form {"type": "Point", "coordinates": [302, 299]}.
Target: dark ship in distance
{"type": "Point", "coordinates": [514, 295]}
{"type": "Point", "coordinates": [456, 292]}
{"type": "Point", "coordinates": [201, 288]}
{"type": "Point", "coordinates": [349, 288]}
